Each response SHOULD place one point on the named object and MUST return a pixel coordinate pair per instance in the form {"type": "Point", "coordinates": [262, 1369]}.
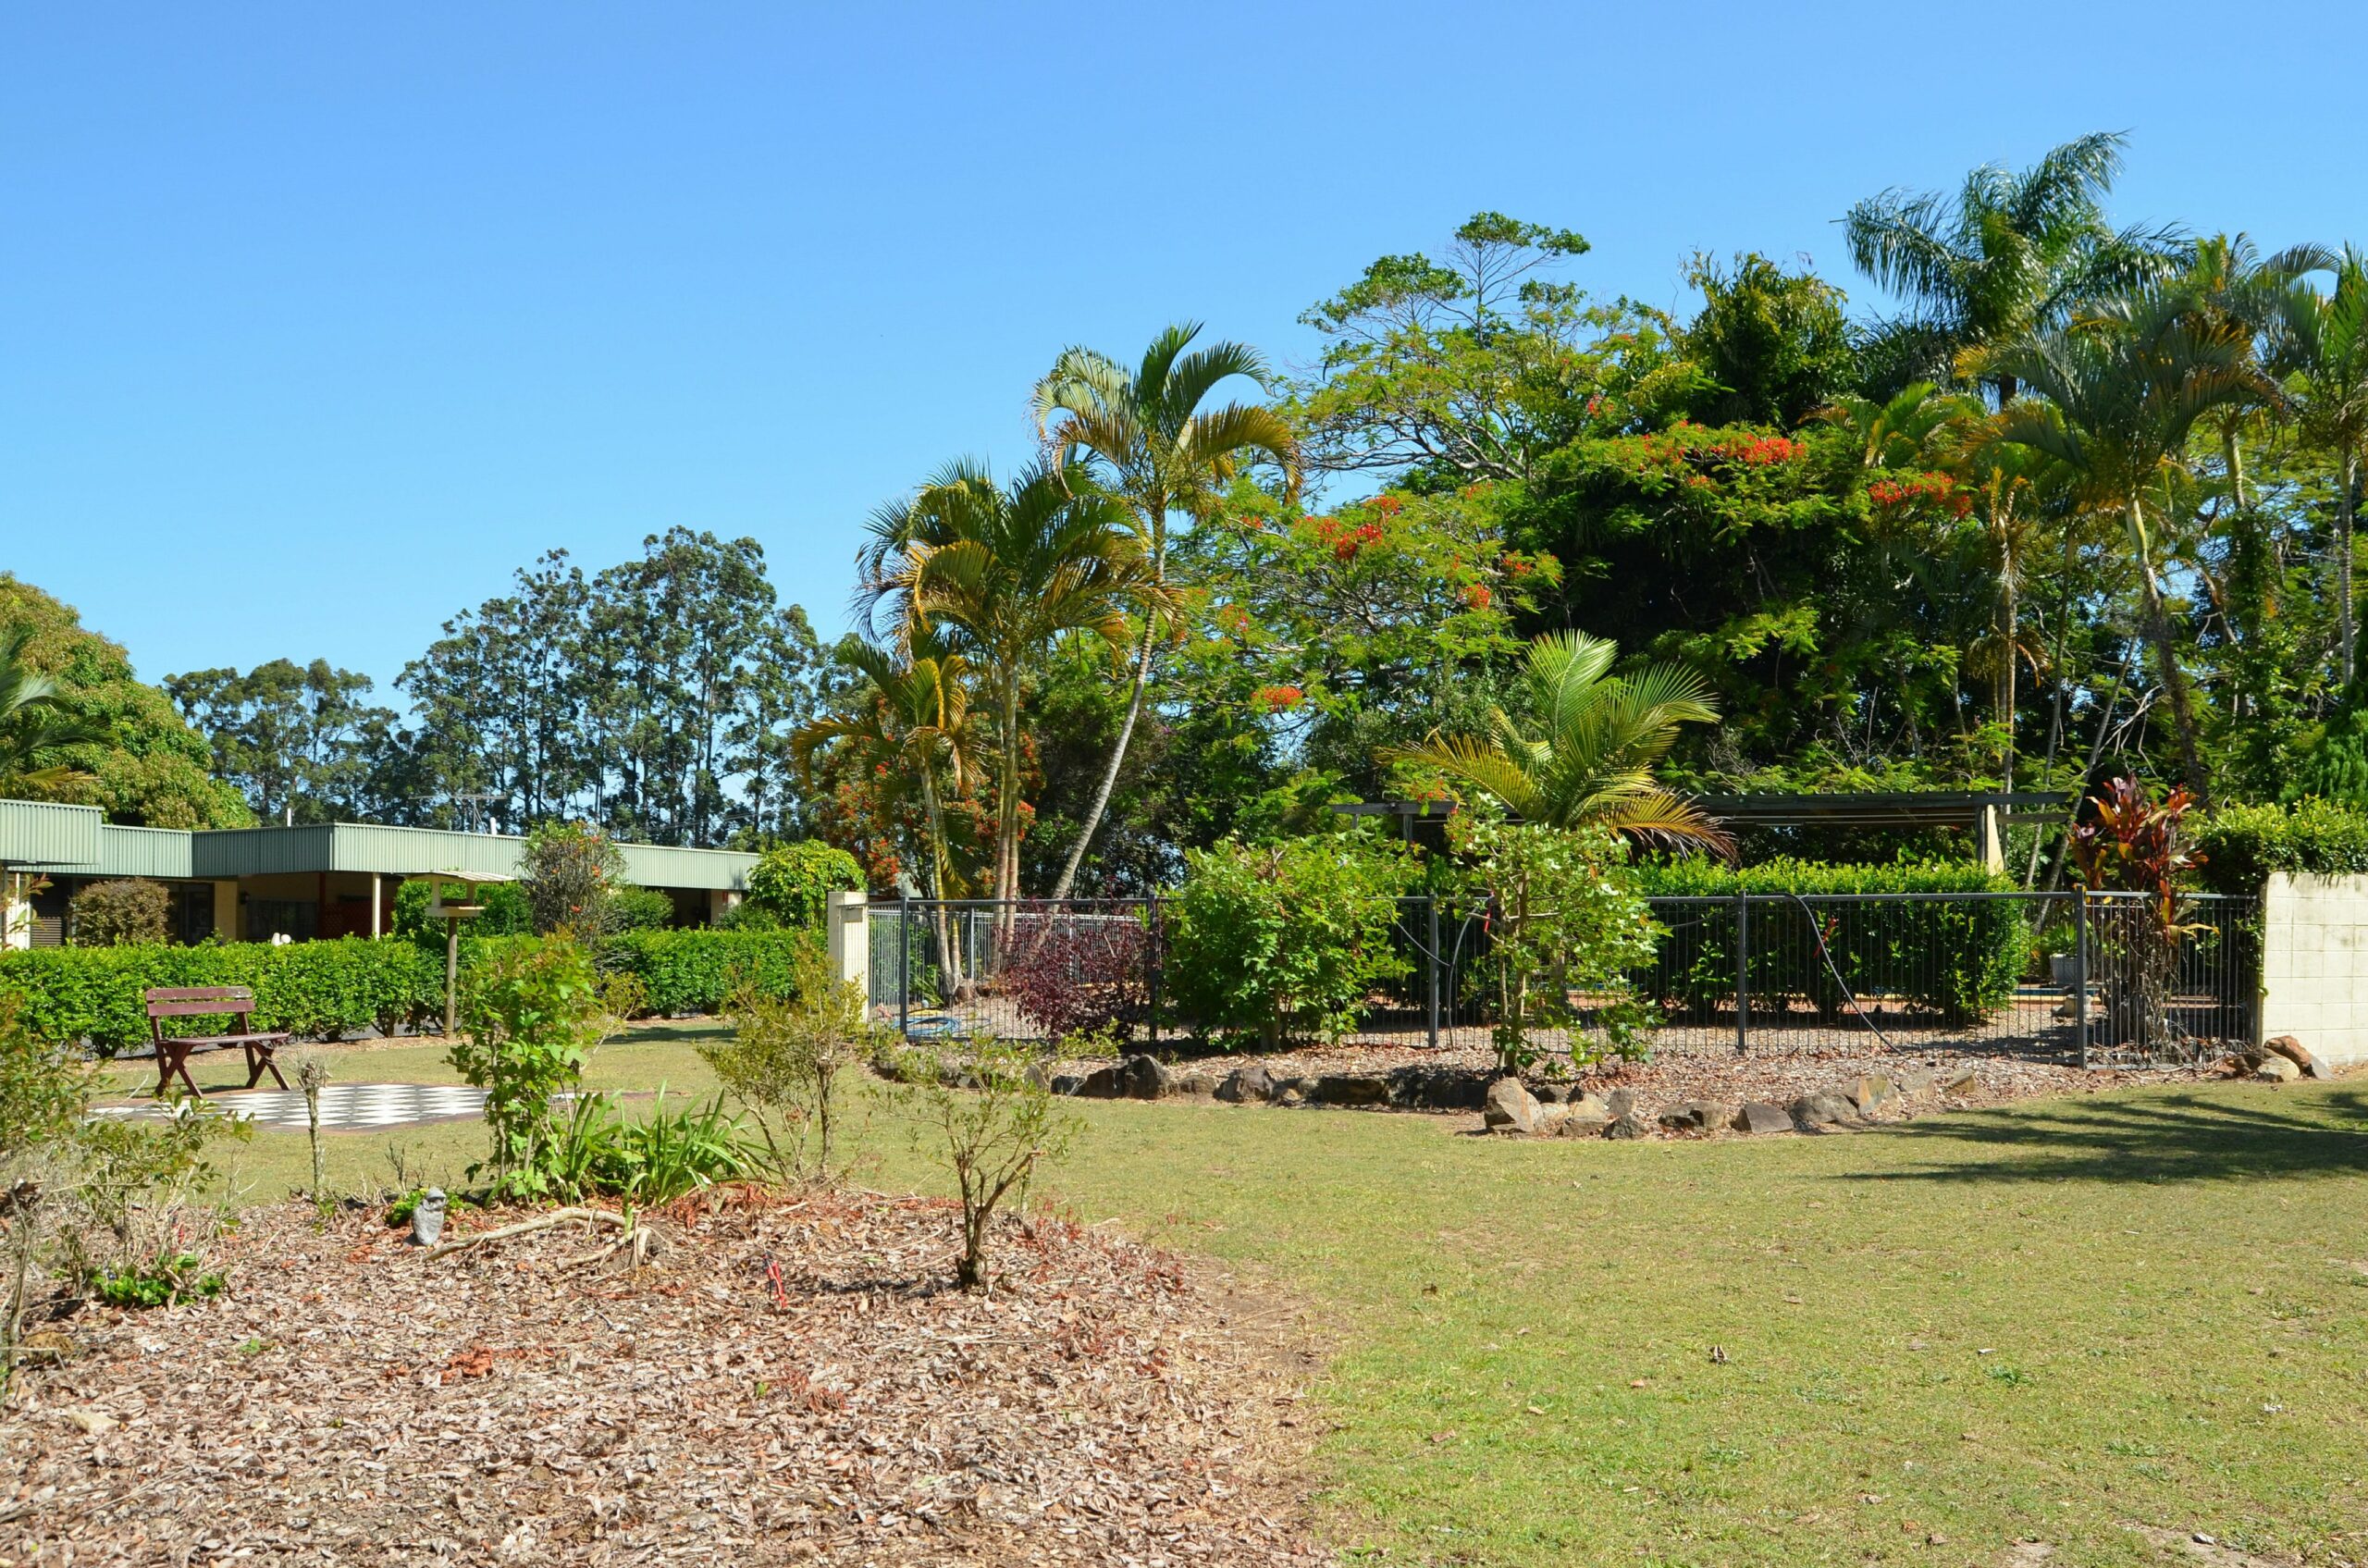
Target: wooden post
{"type": "Point", "coordinates": [451, 969]}
{"type": "Point", "coordinates": [377, 928]}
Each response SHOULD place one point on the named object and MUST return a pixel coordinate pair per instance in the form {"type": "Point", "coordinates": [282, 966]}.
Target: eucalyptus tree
{"type": "Point", "coordinates": [1163, 457]}
{"type": "Point", "coordinates": [1004, 572]}
{"type": "Point", "coordinates": [1583, 746]}
{"type": "Point", "coordinates": [2009, 254]}
{"type": "Point", "coordinates": [2124, 386]}
{"type": "Point", "coordinates": [2329, 349]}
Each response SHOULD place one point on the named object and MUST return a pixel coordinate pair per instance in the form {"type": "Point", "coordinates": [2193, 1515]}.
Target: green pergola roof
{"type": "Point", "coordinates": [77, 840]}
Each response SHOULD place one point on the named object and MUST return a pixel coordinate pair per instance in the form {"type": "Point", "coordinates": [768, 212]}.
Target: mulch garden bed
{"type": "Point", "coordinates": [793, 1380]}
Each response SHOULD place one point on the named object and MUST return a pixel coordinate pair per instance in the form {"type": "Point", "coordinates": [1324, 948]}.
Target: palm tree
{"type": "Point", "coordinates": [1161, 454]}
{"type": "Point", "coordinates": [2329, 344]}
{"type": "Point", "coordinates": [907, 720]}
{"type": "Point", "coordinates": [2005, 479]}
{"type": "Point", "coordinates": [35, 723]}
{"type": "Point", "coordinates": [2230, 289]}
{"type": "Point", "coordinates": [1005, 572]}
{"type": "Point", "coordinates": [2123, 389]}
{"type": "Point", "coordinates": [2010, 254]}
{"type": "Point", "coordinates": [1590, 758]}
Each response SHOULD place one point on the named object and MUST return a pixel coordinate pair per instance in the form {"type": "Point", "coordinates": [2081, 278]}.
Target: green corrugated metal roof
{"type": "Point", "coordinates": [79, 839]}
{"type": "Point", "coordinates": [145, 852]}
{"type": "Point", "coordinates": [37, 833]}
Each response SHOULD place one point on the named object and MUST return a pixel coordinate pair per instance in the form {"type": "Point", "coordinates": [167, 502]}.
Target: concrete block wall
{"type": "Point", "coordinates": [2314, 964]}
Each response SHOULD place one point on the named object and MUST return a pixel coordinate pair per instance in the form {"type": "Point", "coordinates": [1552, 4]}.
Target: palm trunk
{"type": "Point", "coordinates": [1117, 759]}
{"type": "Point", "coordinates": [2166, 654]}
{"type": "Point", "coordinates": [949, 957]}
{"type": "Point", "coordinates": [2346, 507]}
{"type": "Point", "coordinates": [2004, 697]}
{"type": "Point", "coordinates": [1008, 813]}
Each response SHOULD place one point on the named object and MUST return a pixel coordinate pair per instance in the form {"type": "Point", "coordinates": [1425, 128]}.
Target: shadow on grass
{"type": "Point", "coordinates": [2176, 1137]}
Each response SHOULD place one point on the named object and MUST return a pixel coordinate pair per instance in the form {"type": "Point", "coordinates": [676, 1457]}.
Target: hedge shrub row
{"type": "Point", "coordinates": [322, 990]}
{"type": "Point", "coordinates": [2242, 844]}
{"type": "Point", "coordinates": [1959, 959]}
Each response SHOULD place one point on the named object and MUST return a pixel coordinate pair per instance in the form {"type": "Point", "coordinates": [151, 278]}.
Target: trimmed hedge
{"type": "Point", "coordinates": [322, 990]}
{"type": "Point", "coordinates": [2242, 844]}
{"type": "Point", "coordinates": [697, 971]}
{"type": "Point", "coordinates": [1960, 959]}
{"type": "Point", "coordinates": [315, 989]}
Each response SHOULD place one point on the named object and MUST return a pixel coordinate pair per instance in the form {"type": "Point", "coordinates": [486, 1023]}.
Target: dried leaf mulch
{"type": "Point", "coordinates": [793, 1380]}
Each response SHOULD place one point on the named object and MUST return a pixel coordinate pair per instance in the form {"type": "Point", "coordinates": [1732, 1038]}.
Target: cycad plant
{"type": "Point", "coordinates": [1162, 456]}
{"type": "Point", "coordinates": [1583, 748]}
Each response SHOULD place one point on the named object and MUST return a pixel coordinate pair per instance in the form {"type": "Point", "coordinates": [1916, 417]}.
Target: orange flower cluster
{"type": "Point", "coordinates": [1345, 542]}
{"type": "Point", "coordinates": [1765, 452]}
{"type": "Point", "coordinates": [1937, 489]}
{"type": "Point", "coordinates": [1477, 594]}
{"type": "Point", "coordinates": [1275, 699]}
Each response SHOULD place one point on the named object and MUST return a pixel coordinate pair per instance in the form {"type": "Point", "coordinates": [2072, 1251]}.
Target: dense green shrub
{"type": "Point", "coordinates": [504, 904]}
{"type": "Point", "coordinates": [640, 908]}
{"type": "Point", "coordinates": [698, 972]}
{"type": "Point", "coordinates": [793, 881]}
{"type": "Point", "coordinates": [530, 1014]}
{"type": "Point", "coordinates": [1962, 960]}
{"type": "Point", "coordinates": [1286, 940]}
{"type": "Point", "coordinates": [570, 872]}
{"type": "Point", "coordinates": [2240, 845]}
{"type": "Point", "coordinates": [118, 913]}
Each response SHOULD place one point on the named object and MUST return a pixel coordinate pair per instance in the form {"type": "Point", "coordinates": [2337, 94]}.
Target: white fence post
{"type": "Point", "coordinates": [2314, 964]}
{"type": "Point", "coordinates": [849, 925]}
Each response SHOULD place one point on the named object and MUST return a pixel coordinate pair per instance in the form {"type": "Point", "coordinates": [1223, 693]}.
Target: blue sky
{"type": "Point", "coordinates": [316, 321]}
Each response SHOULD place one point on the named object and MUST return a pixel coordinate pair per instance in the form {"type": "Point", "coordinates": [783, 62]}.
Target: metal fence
{"type": "Point", "coordinates": [1811, 974]}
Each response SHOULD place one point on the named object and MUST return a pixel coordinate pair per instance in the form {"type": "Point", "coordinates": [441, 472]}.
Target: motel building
{"type": "Point", "coordinates": [299, 884]}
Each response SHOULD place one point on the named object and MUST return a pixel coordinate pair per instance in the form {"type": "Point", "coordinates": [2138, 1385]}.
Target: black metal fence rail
{"type": "Point", "coordinates": [1807, 974]}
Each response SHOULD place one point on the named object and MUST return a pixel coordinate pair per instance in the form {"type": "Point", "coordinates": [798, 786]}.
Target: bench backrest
{"type": "Point", "coordinates": [179, 1002]}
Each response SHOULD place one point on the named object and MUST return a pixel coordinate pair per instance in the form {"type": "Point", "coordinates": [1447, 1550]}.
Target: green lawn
{"type": "Point", "coordinates": [2047, 1321]}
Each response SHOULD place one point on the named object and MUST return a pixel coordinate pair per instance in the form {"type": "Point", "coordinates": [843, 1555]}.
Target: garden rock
{"type": "Point", "coordinates": [1509, 1108]}
{"type": "Point", "coordinates": [2277, 1069]}
{"type": "Point", "coordinates": [1585, 1117]}
{"type": "Point", "coordinates": [1102, 1083]}
{"type": "Point", "coordinates": [1960, 1080]}
{"type": "Point", "coordinates": [1247, 1085]}
{"type": "Point", "coordinates": [1621, 1101]}
{"type": "Point", "coordinates": [1758, 1115]}
{"type": "Point", "coordinates": [1628, 1124]}
{"type": "Point", "coordinates": [1068, 1082]}
{"type": "Point", "coordinates": [1199, 1085]}
{"type": "Point", "coordinates": [2294, 1051]}
{"type": "Point", "coordinates": [1352, 1089]}
{"type": "Point", "coordinates": [1293, 1091]}
{"type": "Point", "coordinates": [1700, 1116]}
{"type": "Point", "coordinates": [1871, 1093]}
{"type": "Point", "coordinates": [1141, 1078]}
{"type": "Point", "coordinates": [1829, 1112]}
{"type": "Point", "coordinates": [1437, 1089]}
{"type": "Point", "coordinates": [1918, 1083]}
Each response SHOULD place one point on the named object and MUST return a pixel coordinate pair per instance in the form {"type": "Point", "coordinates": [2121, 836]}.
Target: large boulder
{"type": "Point", "coordinates": [1960, 1080]}
{"type": "Point", "coordinates": [1758, 1115]}
{"type": "Point", "coordinates": [2277, 1069]}
{"type": "Point", "coordinates": [1510, 1109]}
{"type": "Point", "coordinates": [1102, 1083]}
{"type": "Point", "coordinates": [1628, 1124]}
{"type": "Point", "coordinates": [1247, 1085]}
{"type": "Point", "coordinates": [1621, 1101]}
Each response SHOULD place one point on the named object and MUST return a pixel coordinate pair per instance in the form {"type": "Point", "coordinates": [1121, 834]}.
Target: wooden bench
{"type": "Point", "coordinates": [227, 1001]}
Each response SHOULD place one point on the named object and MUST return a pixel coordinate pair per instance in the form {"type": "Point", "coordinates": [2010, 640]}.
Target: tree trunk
{"type": "Point", "coordinates": [1007, 812]}
{"type": "Point", "coordinates": [2160, 632]}
{"type": "Point", "coordinates": [1117, 759]}
{"type": "Point", "coordinates": [2346, 510]}
{"type": "Point", "coordinates": [2005, 696]}
{"type": "Point", "coordinates": [949, 956]}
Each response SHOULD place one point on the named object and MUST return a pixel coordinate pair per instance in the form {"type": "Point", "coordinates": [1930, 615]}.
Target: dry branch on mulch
{"type": "Point", "coordinates": [794, 1380]}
